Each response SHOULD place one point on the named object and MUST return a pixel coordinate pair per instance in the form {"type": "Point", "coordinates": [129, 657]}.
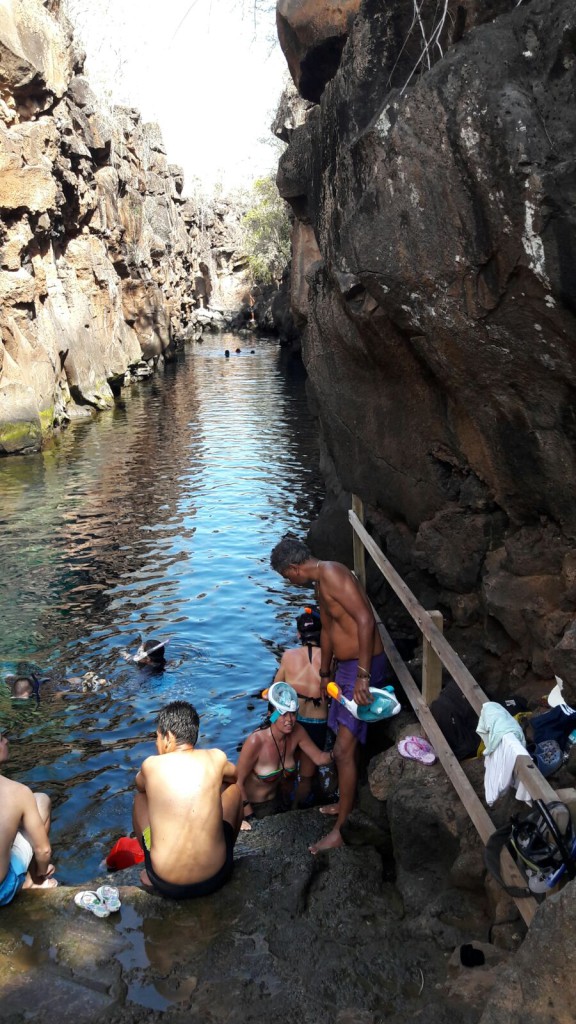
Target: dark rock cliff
{"type": "Point", "coordinates": [434, 269]}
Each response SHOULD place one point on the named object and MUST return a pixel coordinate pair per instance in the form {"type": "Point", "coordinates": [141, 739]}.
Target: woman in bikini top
{"type": "Point", "coordinates": [300, 666]}
{"type": "Point", "coordinates": [269, 755]}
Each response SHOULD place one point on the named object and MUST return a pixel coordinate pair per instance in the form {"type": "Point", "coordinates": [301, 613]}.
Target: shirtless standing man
{"type": "Point", "coordinates": [187, 811]}
{"type": "Point", "coordinates": [24, 845]}
{"type": "Point", "coordinates": [350, 638]}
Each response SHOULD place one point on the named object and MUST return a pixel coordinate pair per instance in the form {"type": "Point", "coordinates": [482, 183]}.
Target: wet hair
{"type": "Point", "coordinates": [154, 652]}
{"type": "Point", "coordinates": [289, 551]}
{"type": "Point", "coordinates": [309, 625]}
{"type": "Point", "coordinates": [181, 719]}
{"type": "Point", "coordinates": [23, 686]}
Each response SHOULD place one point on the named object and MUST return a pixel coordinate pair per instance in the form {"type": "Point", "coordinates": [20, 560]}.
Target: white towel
{"type": "Point", "coordinates": [499, 770]}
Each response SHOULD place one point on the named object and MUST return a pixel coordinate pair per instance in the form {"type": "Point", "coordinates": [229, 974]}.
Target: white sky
{"type": "Point", "coordinates": [201, 68]}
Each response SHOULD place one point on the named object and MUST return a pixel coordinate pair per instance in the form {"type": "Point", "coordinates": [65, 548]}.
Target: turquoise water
{"type": "Point", "coordinates": [156, 519]}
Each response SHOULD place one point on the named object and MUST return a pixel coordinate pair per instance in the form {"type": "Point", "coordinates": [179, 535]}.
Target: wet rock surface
{"type": "Point", "coordinates": [401, 925]}
{"type": "Point", "coordinates": [290, 937]}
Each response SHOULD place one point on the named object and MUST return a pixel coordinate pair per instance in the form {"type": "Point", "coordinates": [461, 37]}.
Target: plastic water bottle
{"type": "Point", "coordinates": [384, 704]}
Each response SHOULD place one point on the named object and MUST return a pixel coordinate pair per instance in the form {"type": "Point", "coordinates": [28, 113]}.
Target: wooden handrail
{"type": "Point", "coordinates": [438, 642]}
{"type": "Point", "coordinates": [473, 805]}
{"type": "Point", "coordinates": [359, 556]}
{"type": "Point", "coordinates": [431, 664]}
{"type": "Point", "coordinates": [525, 769]}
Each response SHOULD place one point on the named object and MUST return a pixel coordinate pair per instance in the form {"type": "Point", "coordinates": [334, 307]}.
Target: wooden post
{"type": "Point", "coordinates": [357, 545]}
{"type": "Point", "coordinates": [431, 664]}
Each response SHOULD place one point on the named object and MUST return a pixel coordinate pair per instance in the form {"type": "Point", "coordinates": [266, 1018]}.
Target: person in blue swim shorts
{"type": "Point", "coordinates": [350, 643]}
{"type": "Point", "coordinates": [24, 844]}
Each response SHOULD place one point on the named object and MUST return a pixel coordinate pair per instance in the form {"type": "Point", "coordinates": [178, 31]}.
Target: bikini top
{"type": "Point", "coordinates": [282, 769]}
{"type": "Point", "coordinates": [286, 771]}
{"type": "Point", "coordinates": [316, 701]}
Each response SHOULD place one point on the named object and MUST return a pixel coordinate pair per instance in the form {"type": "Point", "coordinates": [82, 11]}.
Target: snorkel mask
{"type": "Point", "coordinates": [144, 652]}
{"type": "Point", "coordinates": [283, 698]}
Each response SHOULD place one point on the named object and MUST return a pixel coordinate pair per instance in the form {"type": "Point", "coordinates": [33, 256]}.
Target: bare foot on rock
{"type": "Point", "coordinates": [330, 842]}
{"type": "Point", "coordinates": [48, 883]}
{"type": "Point", "coordinates": [330, 809]}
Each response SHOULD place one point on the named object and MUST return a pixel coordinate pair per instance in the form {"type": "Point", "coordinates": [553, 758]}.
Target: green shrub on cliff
{"type": "Point", "coordinates": [267, 232]}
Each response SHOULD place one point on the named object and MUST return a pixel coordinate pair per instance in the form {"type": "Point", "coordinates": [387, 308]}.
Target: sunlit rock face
{"type": "Point", "coordinates": [102, 260]}
{"type": "Point", "coordinates": [438, 184]}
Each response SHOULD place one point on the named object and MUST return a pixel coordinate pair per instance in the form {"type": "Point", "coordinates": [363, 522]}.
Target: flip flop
{"type": "Point", "coordinates": [110, 897]}
{"type": "Point", "coordinates": [90, 901]}
{"type": "Point", "coordinates": [417, 749]}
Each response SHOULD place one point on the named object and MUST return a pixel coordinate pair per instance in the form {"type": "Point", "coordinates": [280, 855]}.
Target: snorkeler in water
{"type": "Point", "coordinates": [151, 654]}
{"type": "Point", "coordinates": [32, 686]}
{"type": "Point", "coordinates": [24, 687]}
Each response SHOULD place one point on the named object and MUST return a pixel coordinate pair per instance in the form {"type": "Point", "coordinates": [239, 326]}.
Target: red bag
{"type": "Point", "coordinates": [125, 852]}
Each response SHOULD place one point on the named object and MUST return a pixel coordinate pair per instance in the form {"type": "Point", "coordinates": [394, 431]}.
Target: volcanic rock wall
{"type": "Point", "coordinates": [433, 177]}
{"type": "Point", "coordinates": [102, 260]}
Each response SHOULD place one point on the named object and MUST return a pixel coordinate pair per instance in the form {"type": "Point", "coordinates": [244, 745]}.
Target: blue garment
{"type": "Point", "coordinates": [14, 879]}
{"type": "Point", "coordinates": [553, 725]}
{"type": "Point", "coordinates": [345, 676]}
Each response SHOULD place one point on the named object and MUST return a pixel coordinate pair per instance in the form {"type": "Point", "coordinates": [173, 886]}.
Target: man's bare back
{"type": "Point", "coordinates": [183, 790]}
{"type": "Point", "coordinates": [187, 811]}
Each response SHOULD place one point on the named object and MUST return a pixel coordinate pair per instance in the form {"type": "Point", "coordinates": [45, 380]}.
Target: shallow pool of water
{"type": "Point", "coordinates": [156, 519]}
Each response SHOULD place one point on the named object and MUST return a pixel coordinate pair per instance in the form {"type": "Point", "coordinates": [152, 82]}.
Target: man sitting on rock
{"type": "Point", "coordinates": [187, 811]}
{"type": "Point", "coordinates": [24, 845]}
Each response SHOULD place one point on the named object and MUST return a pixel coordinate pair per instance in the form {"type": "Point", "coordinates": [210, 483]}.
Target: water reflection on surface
{"type": "Point", "coordinates": [155, 519]}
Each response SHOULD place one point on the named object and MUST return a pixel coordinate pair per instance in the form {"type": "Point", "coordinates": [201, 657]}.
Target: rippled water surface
{"type": "Point", "coordinates": [156, 519]}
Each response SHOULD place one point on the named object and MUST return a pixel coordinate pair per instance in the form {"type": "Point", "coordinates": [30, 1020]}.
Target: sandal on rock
{"type": "Point", "coordinates": [110, 897]}
{"type": "Point", "coordinates": [90, 901]}
{"type": "Point", "coordinates": [417, 749]}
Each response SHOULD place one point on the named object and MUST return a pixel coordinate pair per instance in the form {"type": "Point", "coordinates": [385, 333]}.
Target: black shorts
{"type": "Point", "coordinates": [317, 731]}
{"type": "Point", "coordinates": [209, 885]}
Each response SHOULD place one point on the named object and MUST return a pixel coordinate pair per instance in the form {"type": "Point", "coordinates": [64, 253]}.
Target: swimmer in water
{"type": "Point", "coordinates": [24, 687]}
{"type": "Point", "coordinates": [151, 654]}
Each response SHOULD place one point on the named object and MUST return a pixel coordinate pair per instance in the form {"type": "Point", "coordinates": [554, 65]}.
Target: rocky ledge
{"type": "Point", "coordinates": [367, 933]}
